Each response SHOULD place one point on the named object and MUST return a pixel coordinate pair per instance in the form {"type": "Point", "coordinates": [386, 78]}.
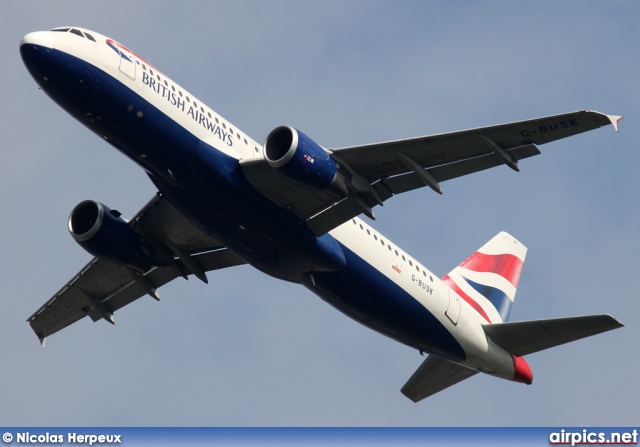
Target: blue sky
{"type": "Point", "coordinates": [248, 350]}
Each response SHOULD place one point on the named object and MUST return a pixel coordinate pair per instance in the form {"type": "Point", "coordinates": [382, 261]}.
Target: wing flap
{"type": "Point", "coordinates": [434, 375]}
{"type": "Point", "coordinates": [407, 182]}
{"type": "Point", "coordinates": [390, 167]}
{"type": "Point", "coordinates": [101, 288]}
{"type": "Point", "coordinates": [388, 187]}
{"type": "Point", "coordinates": [526, 337]}
{"type": "Point", "coordinates": [379, 160]}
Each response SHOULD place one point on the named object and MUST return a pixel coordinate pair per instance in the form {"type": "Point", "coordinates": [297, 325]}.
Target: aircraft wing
{"type": "Point", "coordinates": [100, 288]}
{"type": "Point", "coordinates": [434, 375]}
{"type": "Point", "coordinates": [378, 171]}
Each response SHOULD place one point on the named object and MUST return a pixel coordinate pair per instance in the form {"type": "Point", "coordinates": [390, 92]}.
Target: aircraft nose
{"type": "Point", "coordinates": [38, 39]}
{"type": "Point", "coordinates": [35, 50]}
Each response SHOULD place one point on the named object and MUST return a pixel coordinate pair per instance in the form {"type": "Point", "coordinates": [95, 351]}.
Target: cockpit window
{"type": "Point", "coordinates": [77, 32]}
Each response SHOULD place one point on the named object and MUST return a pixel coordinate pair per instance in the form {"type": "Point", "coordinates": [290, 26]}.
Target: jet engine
{"type": "Point", "coordinates": [303, 162]}
{"type": "Point", "coordinates": [104, 234]}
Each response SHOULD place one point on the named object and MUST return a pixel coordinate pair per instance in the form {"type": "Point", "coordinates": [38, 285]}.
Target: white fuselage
{"type": "Point", "coordinates": [369, 252]}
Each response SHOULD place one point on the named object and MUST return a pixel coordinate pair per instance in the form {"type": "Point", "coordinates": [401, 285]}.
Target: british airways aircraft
{"type": "Point", "coordinates": [290, 208]}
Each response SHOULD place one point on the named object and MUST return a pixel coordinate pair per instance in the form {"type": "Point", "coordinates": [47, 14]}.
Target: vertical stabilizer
{"type": "Point", "coordinates": [487, 280]}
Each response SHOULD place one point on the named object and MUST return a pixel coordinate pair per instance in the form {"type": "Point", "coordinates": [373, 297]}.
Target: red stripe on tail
{"type": "Point", "coordinates": [454, 287]}
{"type": "Point", "coordinates": [507, 266]}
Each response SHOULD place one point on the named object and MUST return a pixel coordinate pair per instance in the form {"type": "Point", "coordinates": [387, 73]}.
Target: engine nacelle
{"type": "Point", "coordinates": [105, 235]}
{"type": "Point", "coordinates": [302, 161]}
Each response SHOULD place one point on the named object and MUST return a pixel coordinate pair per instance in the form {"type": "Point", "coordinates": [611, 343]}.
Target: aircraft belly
{"type": "Point", "coordinates": [201, 181]}
{"type": "Point", "coordinates": [253, 229]}
{"type": "Point", "coordinates": [366, 295]}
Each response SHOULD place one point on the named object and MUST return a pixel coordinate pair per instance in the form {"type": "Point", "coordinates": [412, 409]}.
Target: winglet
{"type": "Point", "coordinates": [614, 120]}
{"type": "Point", "coordinates": [43, 340]}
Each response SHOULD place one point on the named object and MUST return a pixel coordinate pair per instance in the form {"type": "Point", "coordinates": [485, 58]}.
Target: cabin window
{"type": "Point", "coordinates": [361, 227]}
{"type": "Point", "coordinates": [389, 246]}
{"type": "Point", "coordinates": [403, 258]}
{"type": "Point", "coordinates": [369, 232]}
{"type": "Point", "coordinates": [375, 237]}
{"type": "Point", "coordinates": [424, 273]}
{"type": "Point", "coordinates": [410, 263]}
{"type": "Point", "coordinates": [417, 268]}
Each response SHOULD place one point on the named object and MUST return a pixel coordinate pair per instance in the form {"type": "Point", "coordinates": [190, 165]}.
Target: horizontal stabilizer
{"type": "Point", "coordinates": [525, 337]}
{"type": "Point", "coordinates": [434, 375]}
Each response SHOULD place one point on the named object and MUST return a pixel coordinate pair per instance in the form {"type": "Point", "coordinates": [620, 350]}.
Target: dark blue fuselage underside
{"type": "Point", "coordinates": [209, 188]}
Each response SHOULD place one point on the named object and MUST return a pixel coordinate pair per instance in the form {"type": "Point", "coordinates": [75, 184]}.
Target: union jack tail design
{"type": "Point", "coordinates": [488, 279]}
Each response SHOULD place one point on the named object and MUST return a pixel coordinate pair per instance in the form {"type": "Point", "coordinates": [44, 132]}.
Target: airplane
{"type": "Point", "coordinates": [290, 208]}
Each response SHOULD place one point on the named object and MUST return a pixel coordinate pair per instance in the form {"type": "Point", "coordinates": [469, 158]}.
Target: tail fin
{"type": "Point", "coordinates": [488, 279]}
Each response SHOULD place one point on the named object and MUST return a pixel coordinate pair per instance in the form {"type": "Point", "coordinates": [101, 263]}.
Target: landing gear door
{"type": "Point", "coordinates": [454, 308]}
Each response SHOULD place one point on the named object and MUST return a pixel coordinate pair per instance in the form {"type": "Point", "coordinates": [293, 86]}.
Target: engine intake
{"type": "Point", "coordinates": [104, 234]}
{"type": "Point", "coordinates": [302, 161]}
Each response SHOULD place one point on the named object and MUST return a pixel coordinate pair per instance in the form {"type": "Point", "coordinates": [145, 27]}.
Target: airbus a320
{"type": "Point", "coordinates": [290, 209]}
